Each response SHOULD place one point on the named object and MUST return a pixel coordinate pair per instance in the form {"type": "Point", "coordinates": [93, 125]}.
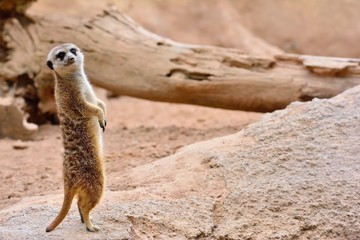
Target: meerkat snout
{"type": "Point", "coordinates": [71, 59]}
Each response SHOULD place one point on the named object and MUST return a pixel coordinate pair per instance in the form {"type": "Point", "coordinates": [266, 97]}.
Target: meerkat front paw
{"type": "Point", "coordinates": [102, 119]}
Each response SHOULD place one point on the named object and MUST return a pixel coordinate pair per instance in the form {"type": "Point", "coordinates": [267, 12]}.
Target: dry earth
{"type": "Point", "coordinates": [138, 132]}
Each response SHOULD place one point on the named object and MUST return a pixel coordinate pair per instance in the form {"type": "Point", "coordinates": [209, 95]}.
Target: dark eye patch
{"type": "Point", "coordinates": [73, 51]}
{"type": "Point", "coordinates": [61, 55]}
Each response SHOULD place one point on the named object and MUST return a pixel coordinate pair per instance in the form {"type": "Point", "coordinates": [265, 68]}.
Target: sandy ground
{"type": "Point", "coordinates": [138, 132]}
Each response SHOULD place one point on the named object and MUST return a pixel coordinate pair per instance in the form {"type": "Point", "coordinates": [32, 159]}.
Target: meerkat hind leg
{"type": "Point", "coordinates": [85, 206]}
{"type": "Point", "coordinates": [79, 204]}
{"type": "Point", "coordinates": [89, 226]}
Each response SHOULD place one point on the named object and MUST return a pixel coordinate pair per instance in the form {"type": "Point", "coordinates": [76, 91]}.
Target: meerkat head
{"type": "Point", "coordinates": [65, 57]}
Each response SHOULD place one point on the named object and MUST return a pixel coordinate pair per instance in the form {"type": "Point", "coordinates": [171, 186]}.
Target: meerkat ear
{"type": "Point", "coordinates": [50, 65]}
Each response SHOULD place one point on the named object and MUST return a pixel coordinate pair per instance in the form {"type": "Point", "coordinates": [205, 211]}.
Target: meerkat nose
{"type": "Point", "coordinates": [71, 59]}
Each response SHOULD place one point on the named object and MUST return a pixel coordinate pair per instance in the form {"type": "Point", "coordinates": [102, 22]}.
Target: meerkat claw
{"type": "Point", "coordinates": [102, 125]}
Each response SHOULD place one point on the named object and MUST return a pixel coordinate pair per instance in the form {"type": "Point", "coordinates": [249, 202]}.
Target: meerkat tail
{"type": "Point", "coordinates": [68, 198]}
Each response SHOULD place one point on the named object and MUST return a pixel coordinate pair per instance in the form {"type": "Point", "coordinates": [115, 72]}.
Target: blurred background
{"type": "Point", "coordinates": [321, 27]}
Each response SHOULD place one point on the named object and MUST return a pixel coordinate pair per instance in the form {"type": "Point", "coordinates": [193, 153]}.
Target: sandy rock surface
{"type": "Point", "coordinates": [294, 174]}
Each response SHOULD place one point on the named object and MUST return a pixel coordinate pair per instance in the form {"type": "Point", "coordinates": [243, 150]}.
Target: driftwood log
{"type": "Point", "coordinates": [126, 59]}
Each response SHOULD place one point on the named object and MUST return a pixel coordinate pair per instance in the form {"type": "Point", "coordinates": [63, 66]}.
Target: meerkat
{"type": "Point", "coordinates": [82, 122]}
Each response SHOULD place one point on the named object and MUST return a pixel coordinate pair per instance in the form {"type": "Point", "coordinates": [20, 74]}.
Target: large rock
{"type": "Point", "coordinates": [295, 174]}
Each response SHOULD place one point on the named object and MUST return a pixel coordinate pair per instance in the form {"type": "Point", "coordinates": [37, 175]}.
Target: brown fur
{"type": "Point", "coordinates": [81, 115]}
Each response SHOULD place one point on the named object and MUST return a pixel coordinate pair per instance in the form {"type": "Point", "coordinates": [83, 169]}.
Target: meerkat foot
{"type": "Point", "coordinates": [93, 228]}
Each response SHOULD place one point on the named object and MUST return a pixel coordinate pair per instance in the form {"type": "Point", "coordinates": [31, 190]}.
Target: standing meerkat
{"type": "Point", "coordinates": [82, 121]}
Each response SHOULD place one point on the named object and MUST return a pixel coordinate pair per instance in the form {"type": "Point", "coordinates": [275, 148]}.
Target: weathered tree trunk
{"type": "Point", "coordinates": [126, 59]}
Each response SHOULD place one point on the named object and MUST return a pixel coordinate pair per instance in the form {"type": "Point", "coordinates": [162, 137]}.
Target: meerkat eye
{"type": "Point", "coordinates": [61, 55]}
{"type": "Point", "coordinates": [73, 51]}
